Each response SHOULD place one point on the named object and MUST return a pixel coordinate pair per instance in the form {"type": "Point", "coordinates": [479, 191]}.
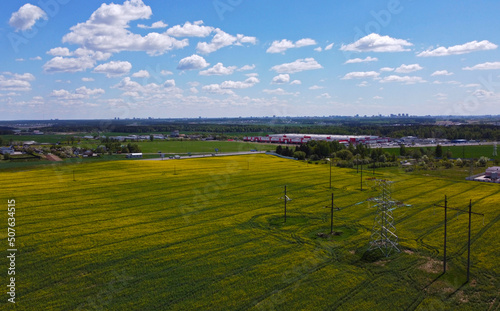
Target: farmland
{"type": "Point", "coordinates": [202, 234]}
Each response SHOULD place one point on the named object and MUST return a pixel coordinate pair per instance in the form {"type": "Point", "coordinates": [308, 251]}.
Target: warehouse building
{"type": "Point", "coordinates": [304, 138]}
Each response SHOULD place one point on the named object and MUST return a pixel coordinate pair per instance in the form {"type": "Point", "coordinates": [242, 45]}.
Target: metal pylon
{"type": "Point", "coordinates": [384, 235]}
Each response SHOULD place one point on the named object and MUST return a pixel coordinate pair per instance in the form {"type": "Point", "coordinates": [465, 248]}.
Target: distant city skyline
{"type": "Point", "coordinates": [68, 59]}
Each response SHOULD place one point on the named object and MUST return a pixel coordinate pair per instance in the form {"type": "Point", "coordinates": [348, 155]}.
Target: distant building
{"type": "Point", "coordinates": [492, 172]}
{"type": "Point", "coordinates": [304, 138]}
{"type": "Point", "coordinates": [6, 150]}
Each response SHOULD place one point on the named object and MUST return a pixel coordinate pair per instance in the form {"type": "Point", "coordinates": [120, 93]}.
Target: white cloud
{"type": "Point", "coordinates": [192, 62]}
{"type": "Point", "coordinates": [239, 84]}
{"type": "Point", "coordinates": [377, 97]}
{"type": "Point", "coordinates": [377, 43]}
{"type": "Point", "coordinates": [279, 91]}
{"type": "Point", "coordinates": [316, 87]}
{"type": "Point", "coordinates": [141, 74]}
{"type": "Point", "coordinates": [66, 95]}
{"type": "Point", "coordinates": [403, 79]}
{"type": "Point", "coordinates": [324, 95]}
{"type": "Point", "coordinates": [216, 89]}
{"type": "Point", "coordinates": [468, 47]}
{"type": "Point", "coordinates": [61, 64]}
{"type": "Point", "coordinates": [329, 47]}
{"type": "Point", "coordinates": [222, 39]}
{"type": "Point", "coordinates": [283, 45]}
{"type": "Point", "coordinates": [194, 90]}
{"type": "Point", "coordinates": [359, 60]}
{"type": "Point", "coordinates": [166, 73]}
{"type": "Point", "coordinates": [84, 79]}
{"type": "Point", "coordinates": [408, 68]}
{"type": "Point", "coordinates": [59, 51]}
{"type": "Point", "coordinates": [318, 49]}
{"type": "Point", "coordinates": [361, 75]}
{"type": "Point", "coordinates": [89, 92]}
{"type": "Point", "coordinates": [26, 17]}
{"type": "Point", "coordinates": [247, 67]}
{"type": "Point", "coordinates": [195, 29]}
{"type": "Point", "coordinates": [484, 66]}
{"type": "Point", "coordinates": [296, 82]}
{"type": "Point", "coordinates": [226, 87]}
{"type": "Point", "coordinates": [36, 58]}
{"type": "Point", "coordinates": [363, 84]}
{"type": "Point", "coordinates": [107, 31]}
{"type": "Point", "coordinates": [281, 79]}
{"type": "Point", "coordinates": [297, 66]}
{"type": "Point", "coordinates": [218, 70]}
{"type": "Point", "coordinates": [386, 69]}
{"type": "Point", "coordinates": [114, 68]}
{"type": "Point", "coordinates": [135, 89]}
{"type": "Point", "coordinates": [158, 24]}
{"type": "Point", "coordinates": [20, 59]}
{"type": "Point", "coordinates": [441, 73]}
{"type": "Point", "coordinates": [15, 82]}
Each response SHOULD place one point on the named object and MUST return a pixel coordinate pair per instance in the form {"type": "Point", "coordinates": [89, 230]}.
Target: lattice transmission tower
{"type": "Point", "coordinates": [384, 235]}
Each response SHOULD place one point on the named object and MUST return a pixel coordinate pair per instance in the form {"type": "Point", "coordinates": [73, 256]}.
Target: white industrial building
{"type": "Point", "coordinates": [304, 138]}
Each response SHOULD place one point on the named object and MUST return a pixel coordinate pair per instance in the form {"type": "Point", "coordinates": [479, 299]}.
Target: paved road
{"type": "Point", "coordinates": [207, 155]}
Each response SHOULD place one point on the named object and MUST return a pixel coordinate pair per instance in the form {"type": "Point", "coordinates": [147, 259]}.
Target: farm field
{"type": "Point", "coordinates": [463, 152]}
{"type": "Point", "coordinates": [209, 234]}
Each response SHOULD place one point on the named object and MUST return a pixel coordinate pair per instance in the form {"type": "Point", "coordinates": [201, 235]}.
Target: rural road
{"type": "Point", "coordinates": [206, 155]}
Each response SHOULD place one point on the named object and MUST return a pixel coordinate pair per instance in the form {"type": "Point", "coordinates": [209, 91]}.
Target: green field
{"type": "Point", "coordinates": [208, 234]}
{"type": "Point", "coordinates": [463, 152]}
{"type": "Point", "coordinates": [178, 146]}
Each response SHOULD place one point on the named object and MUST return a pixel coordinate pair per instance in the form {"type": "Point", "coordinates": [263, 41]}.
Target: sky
{"type": "Point", "coordinates": [74, 59]}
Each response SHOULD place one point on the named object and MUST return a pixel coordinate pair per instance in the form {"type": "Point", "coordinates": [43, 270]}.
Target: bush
{"type": "Point", "coordinates": [314, 157]}
{"type": "Point", "coordinates": [301, 155]}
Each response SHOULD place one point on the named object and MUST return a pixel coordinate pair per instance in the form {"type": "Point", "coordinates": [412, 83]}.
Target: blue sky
{"type": "Point", "coordinates": [71, 59]}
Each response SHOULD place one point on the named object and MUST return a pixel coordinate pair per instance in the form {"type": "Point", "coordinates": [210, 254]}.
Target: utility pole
{"type": "Point", "coordinates": [468, 242]}
{"type": "Point", "coordinates": [330, 174]}
{"type": "Point", "coordinates": [285, 203]}
{"type": "Point", "coordinates": [361, 180]}
{"type": "Point", "coordinates": [445, 222]}
{"type": "Point", "coordinates": [331, 218]}
{"type": "Point", "coordinates": [74, 175]}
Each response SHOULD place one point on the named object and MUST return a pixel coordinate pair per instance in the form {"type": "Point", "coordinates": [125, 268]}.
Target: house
{"type": "Point", "coordinates": [5, 150]}
{"type": "Point", "coordinates": [492, 172]}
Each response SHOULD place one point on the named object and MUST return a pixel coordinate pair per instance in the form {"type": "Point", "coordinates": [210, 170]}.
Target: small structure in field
{"type": "Point", "coordinates": [134, 155]}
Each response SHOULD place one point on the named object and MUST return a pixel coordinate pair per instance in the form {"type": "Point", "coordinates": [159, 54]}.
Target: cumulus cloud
{"type": "Point", "coordinates": [141, 74]}
{"type": "Point", "coordinates": [283, 45]}
{"type": "Point", "coordinates": [377, 43]}
{"type": "Point", "coordinates": [297, 66]}
{"type": "Point", "coordinates": [361, 75]}
{"type": "Point", "coordinates": [155, 25]}
{"type": "Point", "coordinates": [195, 29]}
{"type": "Point", "coordinates": [26, 17]}
{"type": "Point", "coordinates": [484, 66]}
{"type": "Point", "coordinates": [84, 79]}
{"type": "Point", "coordinates": [78, 94]}
{"type": "Point", "coordinates": [61, 64]}
{"type": "Point", "coordinates": [296, 82]}
{"type": "Point", "coordinates": [107, 30]}
{"type": "Point", "coordinates": [316, 87]}
{"type": "Point", "coordinates": [15, 82]}
{"type": "Point", "coordinates": [441, 73]}
{"type": "Point", "coordinates": [192, 62]}
{"type": "Point", "coordinates": [247, 67]}
{"type": "Point", "coordinates": [218, 70]}
{"type": "Point", "coordinates": [59, 51]}
{"type": "Point", "coordinates": [279, 91]}
{"type": "Point", "coordinates": [408, 68]}
{"type": "Point", "coordinates": [361, 60]}
{"type": "Point", "coordinates": [281, 79]}
{"type": "Point", "coordinates": [465, 48]}
{"type": "Point", "coordinates": [135, 89]}
{"type": "Point", "coordinates": [324, 95]}
{"type": "Point", "coordinates": [166, 73]}
{"type": "Point", "coordinates": [222, 39]}
{"type": "Point", "coordinates": [226, 87]}
{"type": "Point", "coordinates": [402, 79]}
{"type": "Point", "coordinates": [329, 47]}
{"type": "Point", "coordinates": [386, 69]}
{"type": "Point", "coordinates": [114, 68]}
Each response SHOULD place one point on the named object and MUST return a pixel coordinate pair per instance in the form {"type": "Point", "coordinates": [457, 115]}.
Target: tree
{"type": "Point", "coordinates": [6, 156]}
{"type": "Point", "coordinates": [402, 150]}
{"type": "Point", "coordinates": [345, 155]}
{"type": "Point", "coordinates": [438, 153]}
{"type": "Point", "coordinates": [301, 155]}
{"type": "Point", "coordinates": [151, 137]}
